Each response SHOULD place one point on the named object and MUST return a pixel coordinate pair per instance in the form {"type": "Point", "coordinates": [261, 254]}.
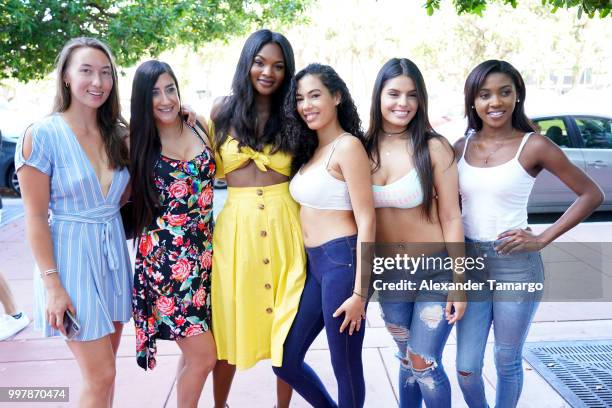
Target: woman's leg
{"type": "Point", "coordinates": [398, 317]}
{"type": "Point", "coordinates": [307, 324]}
{"type": "Point", "coordinates": [428, 334]}
{"type": "Point", "coordinates": [283, 393]}
{"type": "Point", "coordinates": [337, 286]}
{"type": "Point", "coordinates": [473, 330]}
{"type": "Point", "coordinates": [223, 375]}
{"type": "Point", "coordinates": [6, 297]}
{"type": "Point", "coordinates": [115, 339]}
{"type": "Point", "coordinates": [96, 361]}
{"type": "Point", "coordinates": [199, 358]}
{"type": "Point", "coordinates": [511, 325]}
{"type": "Point", "coordinates": [512, 315]}
{"type": "Point", "coordinates": [472, 333]}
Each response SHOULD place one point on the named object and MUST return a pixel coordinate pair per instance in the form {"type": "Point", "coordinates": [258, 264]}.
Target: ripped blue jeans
{"type": "Point", "coordinates": [419, 328]}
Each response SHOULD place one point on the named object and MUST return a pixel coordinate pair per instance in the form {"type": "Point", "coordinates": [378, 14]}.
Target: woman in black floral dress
{"type": "Point", "coordinates": [172, 173]}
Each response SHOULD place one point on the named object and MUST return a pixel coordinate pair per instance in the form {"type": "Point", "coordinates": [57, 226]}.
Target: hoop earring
{"type": "Point", "coordinates": [66, 85]}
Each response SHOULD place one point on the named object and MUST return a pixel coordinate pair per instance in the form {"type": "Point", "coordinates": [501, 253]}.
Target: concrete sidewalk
{"type": "Point", "coordinates": [29, 360]}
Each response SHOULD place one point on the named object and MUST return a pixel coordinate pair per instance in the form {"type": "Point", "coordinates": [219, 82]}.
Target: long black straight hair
{"type": "Point", "coordinates": [145, 145]}
{"type": "Point", "coordinates": [296, 129]}
{"type": "Point", "coordinates": [476, 80]}
{"type": "Point", "coordinates": [238, 114]}
{"type": "Point", "coordinates": [419, 129]}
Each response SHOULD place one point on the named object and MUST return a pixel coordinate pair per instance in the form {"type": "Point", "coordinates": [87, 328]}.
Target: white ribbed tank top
{"type": "Point", "coordinates": [494, 199]}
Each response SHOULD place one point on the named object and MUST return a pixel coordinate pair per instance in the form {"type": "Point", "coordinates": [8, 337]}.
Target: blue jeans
{"type": "Point", "coordinates": [419, 328]}
{"type": "Point", "coordinates": [510, 313]}
{"type": "Point", "coordinates": [329, 282]}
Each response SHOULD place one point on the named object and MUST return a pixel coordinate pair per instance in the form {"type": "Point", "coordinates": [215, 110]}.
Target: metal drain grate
{"type": "Point", "coordinates": [580, 371]}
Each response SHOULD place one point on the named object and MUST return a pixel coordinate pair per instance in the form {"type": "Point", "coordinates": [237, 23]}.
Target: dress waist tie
{"type": "Point", "coordinates": [103, 215]}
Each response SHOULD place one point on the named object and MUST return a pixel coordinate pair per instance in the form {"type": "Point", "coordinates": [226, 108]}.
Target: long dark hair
{"type": "Point", "coordinates": [113, 126]}
{"type": "Point", "coordinates": [477, 78]}
{"type": "Point", "coordinates": [296, 129]}
{"type": "Point", "coordinates": [145, 145]}
{"type": "Point", "coordinates": [238, 113]}
{"type": "Point", "coordinates": [419, 129]}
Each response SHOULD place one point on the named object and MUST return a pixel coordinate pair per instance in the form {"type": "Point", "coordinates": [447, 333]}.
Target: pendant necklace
{"type": "Point", "coordinates": [389, 134]}
{"type": "Point", "coordinates": [499, 146]}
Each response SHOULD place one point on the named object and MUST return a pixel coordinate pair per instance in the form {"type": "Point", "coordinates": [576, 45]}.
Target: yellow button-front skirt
{"type": "Point", "coordinates": [259, 269]}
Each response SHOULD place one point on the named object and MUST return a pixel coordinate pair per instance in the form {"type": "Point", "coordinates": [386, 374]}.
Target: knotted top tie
{"type": "Point", "coordinates": [231, 156]}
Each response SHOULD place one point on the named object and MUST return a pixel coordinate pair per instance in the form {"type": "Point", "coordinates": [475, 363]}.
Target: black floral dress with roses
{"type": "Point", "coordinates": [171, 295]}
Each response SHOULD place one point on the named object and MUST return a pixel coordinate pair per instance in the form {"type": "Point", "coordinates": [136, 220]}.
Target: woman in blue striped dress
{"type": "Point", "coordinates": [73, 163]}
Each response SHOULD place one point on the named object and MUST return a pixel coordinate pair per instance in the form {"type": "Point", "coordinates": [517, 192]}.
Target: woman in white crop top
{"type": "Point", "coordinates": [498, 163]}
{"type": "Point", "coordinates": [416, 199]}
{"type": "Point", "coordinates": [332, 184]}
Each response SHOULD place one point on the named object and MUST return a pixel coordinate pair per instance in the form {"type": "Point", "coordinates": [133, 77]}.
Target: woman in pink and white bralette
{"type": "Point", "coordinates": [415, 187]}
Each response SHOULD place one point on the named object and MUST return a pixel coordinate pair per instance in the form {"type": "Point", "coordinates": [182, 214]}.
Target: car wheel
{"type": "Point", "coordinates": [14, 181]}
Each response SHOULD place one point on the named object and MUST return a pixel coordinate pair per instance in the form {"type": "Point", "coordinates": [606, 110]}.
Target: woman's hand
{"type": "Point", "coordinates": [519, 240]}
{"type": "Point", "coordinates": [188, 111]}
{"type": "Point", "coordinates": [354, 311]}
{"type": "Point", "coordinates": [456, 300]}
{"type": "Point", "coordinates": [57, 303]}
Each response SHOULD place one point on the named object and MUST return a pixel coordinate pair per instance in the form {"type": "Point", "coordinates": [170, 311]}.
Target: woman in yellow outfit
{"type": "Point", "coordinates": [258, 257]}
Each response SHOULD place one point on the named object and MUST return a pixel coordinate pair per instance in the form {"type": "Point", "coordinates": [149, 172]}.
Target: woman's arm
{"type": "Point", "coordinates": [217, 103]}
{"type": "Point", "coordinates": [355, 168]}
{"type": "Point", "coordinates": [544, 154]}
{"type": "Point", "coordinates": [35, 191]}
{"type": "Point", "coordinates": [201, 120]}
{"type": "Point", "coordinates": [446, 183]}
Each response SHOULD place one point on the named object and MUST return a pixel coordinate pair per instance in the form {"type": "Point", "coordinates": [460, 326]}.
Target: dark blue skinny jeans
{"type": "Point", "coordinates": [329, 282]}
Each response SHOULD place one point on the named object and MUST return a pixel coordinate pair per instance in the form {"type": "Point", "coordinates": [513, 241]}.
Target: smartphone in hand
{"type": "Point", "coordinates": [71, 325]}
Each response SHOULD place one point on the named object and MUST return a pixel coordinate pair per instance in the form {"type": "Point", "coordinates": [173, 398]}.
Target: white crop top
{"type": "Point", "coordinates": [316, 188]}
{"type": "Point", "coordinates": [405, 192]}
{"type": "Point", "coordinates": [494, 199]}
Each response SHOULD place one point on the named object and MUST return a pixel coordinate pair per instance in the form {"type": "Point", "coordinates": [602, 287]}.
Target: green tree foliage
{"type": "Point", "coordinates": [589, 7]}
{"type": "Point", "coordinates": [33, 31]}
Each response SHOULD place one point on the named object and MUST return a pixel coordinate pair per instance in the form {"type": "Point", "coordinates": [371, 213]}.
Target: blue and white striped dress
{"type": "Point", "coordinates": [88, 239]}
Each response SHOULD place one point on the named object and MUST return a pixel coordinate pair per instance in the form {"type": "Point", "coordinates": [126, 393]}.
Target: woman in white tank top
{"type": "Point", "coordinates": [498, 163]}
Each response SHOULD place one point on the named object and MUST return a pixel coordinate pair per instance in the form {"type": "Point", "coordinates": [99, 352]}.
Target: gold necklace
{"type": "Point", "coordinates": [498, 144]}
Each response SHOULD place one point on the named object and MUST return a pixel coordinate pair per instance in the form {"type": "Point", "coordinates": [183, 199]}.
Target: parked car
{"type": "Point", "coordinates": [586, 139]}
{"type": "Point", "coordinates": [8, 178]}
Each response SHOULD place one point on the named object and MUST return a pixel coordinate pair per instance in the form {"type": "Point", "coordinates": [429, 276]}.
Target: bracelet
{"type": "Point", "coordinates": [48, 272]}
{"type": "Point", "coordinates": [359, 294]}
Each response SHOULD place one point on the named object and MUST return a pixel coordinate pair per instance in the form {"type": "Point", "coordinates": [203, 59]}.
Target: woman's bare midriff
{"type": "Point", "coordinates": [409, 225]}
{"type": "Point", "coordinates": [321, 226]}
{"type": "Point", "coordinates": [250, 176]}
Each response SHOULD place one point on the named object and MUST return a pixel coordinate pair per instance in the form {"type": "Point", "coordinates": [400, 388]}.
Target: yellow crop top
{"type": "Point", "coordinates": [229, 157]}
